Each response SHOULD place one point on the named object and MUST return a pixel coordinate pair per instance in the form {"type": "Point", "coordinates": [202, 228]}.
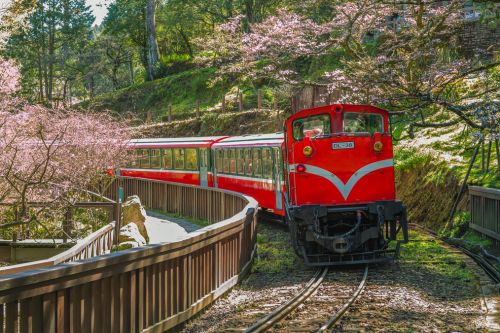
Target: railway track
{"type": "Point", "coordinates": [325, 298]}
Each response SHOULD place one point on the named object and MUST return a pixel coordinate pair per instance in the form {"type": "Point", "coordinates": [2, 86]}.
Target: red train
{"type": "Point", "coordinates": [330, 176]}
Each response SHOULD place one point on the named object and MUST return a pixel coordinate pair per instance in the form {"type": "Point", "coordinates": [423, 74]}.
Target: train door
{"type": "Point", "coordinates": [278, 177]}
{"type": "Point", "coordinates": [204, 167]}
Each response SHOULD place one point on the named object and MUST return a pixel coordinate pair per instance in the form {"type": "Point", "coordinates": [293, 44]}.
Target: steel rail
{"type": "Point", "coordinates": [274, 317]}
{"type": "Point", "coordinates": [336, 317]}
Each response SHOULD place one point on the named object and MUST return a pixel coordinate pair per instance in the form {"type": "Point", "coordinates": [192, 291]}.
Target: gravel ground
{"type": "Point", "coordinates": [418, 293]}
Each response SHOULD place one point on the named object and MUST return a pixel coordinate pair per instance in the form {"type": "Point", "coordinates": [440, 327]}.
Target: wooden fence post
{"type": "Point", "coordinates": [197, 109]}
{"type": "Point", "coordinates": [67, 225]}
{"type": "Point", "coordinates": [498, 156]}
{"type": "Point", "coordinates": [259, 99]}
{"type": "Point", "coordinates": [240, 101]}
{"type": "Point", "coordinates": [482, 157]}
{"type": "Point", "coordinates": [169, 112]}
{"type": "Point", "coordinates": [223, 103]}
{"type": "Point", "coordinates": [118, 209]}
{"type": "Point", "coordinates": [488, 157]}
{"type": "Point", "coordinates": [148, 117]}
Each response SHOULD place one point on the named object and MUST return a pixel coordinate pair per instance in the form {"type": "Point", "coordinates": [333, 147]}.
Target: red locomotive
{"type": "Point", "coordinates": [330, 176]}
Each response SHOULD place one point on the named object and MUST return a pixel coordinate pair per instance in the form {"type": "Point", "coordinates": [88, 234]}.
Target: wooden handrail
{"type": "Point", "coordinates": [75, 252]}
{"type": "Point", "coordinates": [484, 204]}
{"type": "Point", "coordinates": [147, 289]}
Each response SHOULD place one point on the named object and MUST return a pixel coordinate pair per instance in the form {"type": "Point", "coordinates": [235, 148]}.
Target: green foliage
{"type": "Point", "coordinates": [182, 90]}
{"type": "Point", "coordinates": [472, 237]}
{"type": "Point", "coordinates": [408, 159]}
{"type": "Point", "coordinates": [426, 253]}
{"type": "Point", "coordinates": [459, 225]}
{"type": "Point", "coordinates": [274, 251]}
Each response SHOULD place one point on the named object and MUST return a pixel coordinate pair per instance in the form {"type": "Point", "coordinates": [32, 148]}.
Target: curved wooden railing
{"type": "Point", "coordinates": [484, 206]}
{"type": "Point", "coordinates": [147, 289]}
{"type": "Point", "coordinates": [95, 244]}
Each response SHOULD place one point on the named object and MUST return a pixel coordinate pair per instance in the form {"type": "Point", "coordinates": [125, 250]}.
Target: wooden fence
{"type": "Point", "coordinates": [147, 289]}
{"type": "Point", "coordinates": [485, 211]}
{"type": "Point", "coordinates": [95, 244]}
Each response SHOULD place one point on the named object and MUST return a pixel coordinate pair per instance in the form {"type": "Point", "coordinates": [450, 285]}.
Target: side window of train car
{"type": "Point", "coordinates": [155, 159]}
{"type": "Point", "coordinates": [363, 123]}
{"type": "Point", "coordinates": [267, 163]}
{"type": "Point", "coordinates": [257, 162]}
{"type": "Point", "coordinates": [232, 165]}
{"type": "Point", "coordinates": [279, 162]}
{"type": "Point", "coordinates": [240, 161]}
{"type": "Point", "coordinates": [191, 159]}
{"type": "Point", "coordinates": [313, 126]}
{"type": "Point", "coordinates": [179, 158]}
{"type": "Point", "coordinates": [133, 162]}
{"type": "Point", "coordinates": [248, 162]}
{"type": "Point", "coordinates": [203, 157]}
{"type": "Point", "coordinates": [144, 158]}
{"type": "Point", "coordinates": [167, 159]}
{"type": "Point", "coordinates": [226, 161]}
{"type": "Point", "coordinates": [219, 160]}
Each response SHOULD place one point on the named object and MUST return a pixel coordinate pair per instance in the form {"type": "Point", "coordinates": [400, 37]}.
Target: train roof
{"type": "Point", "coordinates": [345, 107]}
{"type": "Point", "coordinates": [202, 141]}
{"type": "Point", "coordinates": [275, 139]}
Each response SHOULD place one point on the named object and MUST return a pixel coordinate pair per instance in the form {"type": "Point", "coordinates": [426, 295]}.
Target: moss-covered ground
{"type": "Point", "coordinates": [426, 253]}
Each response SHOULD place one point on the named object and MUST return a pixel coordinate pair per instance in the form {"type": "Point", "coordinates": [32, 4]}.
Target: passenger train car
{"type": "Point", "coordinates": [330, 176]}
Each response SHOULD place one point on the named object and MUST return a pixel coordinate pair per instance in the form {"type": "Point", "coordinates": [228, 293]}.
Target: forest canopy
{"type": "Point", "coordinates": [404, 55]}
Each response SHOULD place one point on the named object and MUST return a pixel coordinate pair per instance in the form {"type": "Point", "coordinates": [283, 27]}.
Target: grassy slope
{"type": "Point", "coordinates": [182, 90]}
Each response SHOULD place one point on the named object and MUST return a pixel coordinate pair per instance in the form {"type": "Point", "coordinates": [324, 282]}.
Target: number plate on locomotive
{"type": "Point", "coordinates": [343, 145]}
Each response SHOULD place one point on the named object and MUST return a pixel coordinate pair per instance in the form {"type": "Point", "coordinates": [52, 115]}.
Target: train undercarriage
{"type": "Point", "coordinates": [347, 235]}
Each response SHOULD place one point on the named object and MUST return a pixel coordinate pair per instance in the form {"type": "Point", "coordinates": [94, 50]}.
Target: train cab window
{"type": "Point", "coordinates": [219, 158]}
{"type": "Point", "coordinates": [240, 161]}
{"type": "Point", "coordinates": [191, 159]}
{"type": "Point", "coordinates": [267, 163]}
{"type": "Point", "coordinates": [257, 162]}
{"type": "Point", "coordinates": [167, 159]}
{"type": "Point", "coordinates": [144, 158]}
{"type": "Point", "coordinates": [226, 161]}
{"type": "Point", "coordinates": [313, 126]}
{"type": "Point", "coordinates": [179, 158]}
{"type": "Point", "coordinates": [248, 162]}
{"type": "Point", "coordinates": [363, 123]}
{"type": "Point", "coordinates": [155, 158]}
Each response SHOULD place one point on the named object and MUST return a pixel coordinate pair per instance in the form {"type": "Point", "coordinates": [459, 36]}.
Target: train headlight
{"type": "Point", "coordinates": [300, 168]}
{"type": "Point", "coordinates": [378, 146]}
{"type": "Point", "coordinates": [307, 150]}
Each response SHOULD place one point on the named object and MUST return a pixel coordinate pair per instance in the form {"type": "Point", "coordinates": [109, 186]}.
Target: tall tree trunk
{"type": "Point", "coordinates": [40, 77]}
{"type": "Point", "coordinates": [185, 38]}
{"type": "Point", "coordinates": [131, 69]}
{"type": "Point", "coordinates": [151, 36]}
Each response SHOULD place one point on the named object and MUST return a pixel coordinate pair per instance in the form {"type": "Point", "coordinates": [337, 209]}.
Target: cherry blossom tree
{"type": "Point", "coordinates": [267, 51]}
{"type": "Point", "coordinates": [49, 155]}
{"type": "Point", "coordinates": [403, 55]}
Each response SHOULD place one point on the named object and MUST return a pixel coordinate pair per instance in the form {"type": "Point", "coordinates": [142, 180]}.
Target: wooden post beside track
{"type": "Point", "coordinates": [240, 101]}
{"type": "Point", "coordinates": [198, 109]}
{"type": "Point", "coordinates": [259, 100]}
{"type": "Point", "coordinates": [169, 112]}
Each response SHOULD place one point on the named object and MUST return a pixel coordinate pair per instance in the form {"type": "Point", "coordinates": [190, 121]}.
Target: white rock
{"type": "Point", "coordinates": [133, 212]}
{"type": "Point", "coordinates": [130, 233]}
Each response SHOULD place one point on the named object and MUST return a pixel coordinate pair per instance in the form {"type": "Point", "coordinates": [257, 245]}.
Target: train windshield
{"type": "Point", "coordinates": [314, 126]}
{"type": "Point", "coordinates": [363, 123]}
